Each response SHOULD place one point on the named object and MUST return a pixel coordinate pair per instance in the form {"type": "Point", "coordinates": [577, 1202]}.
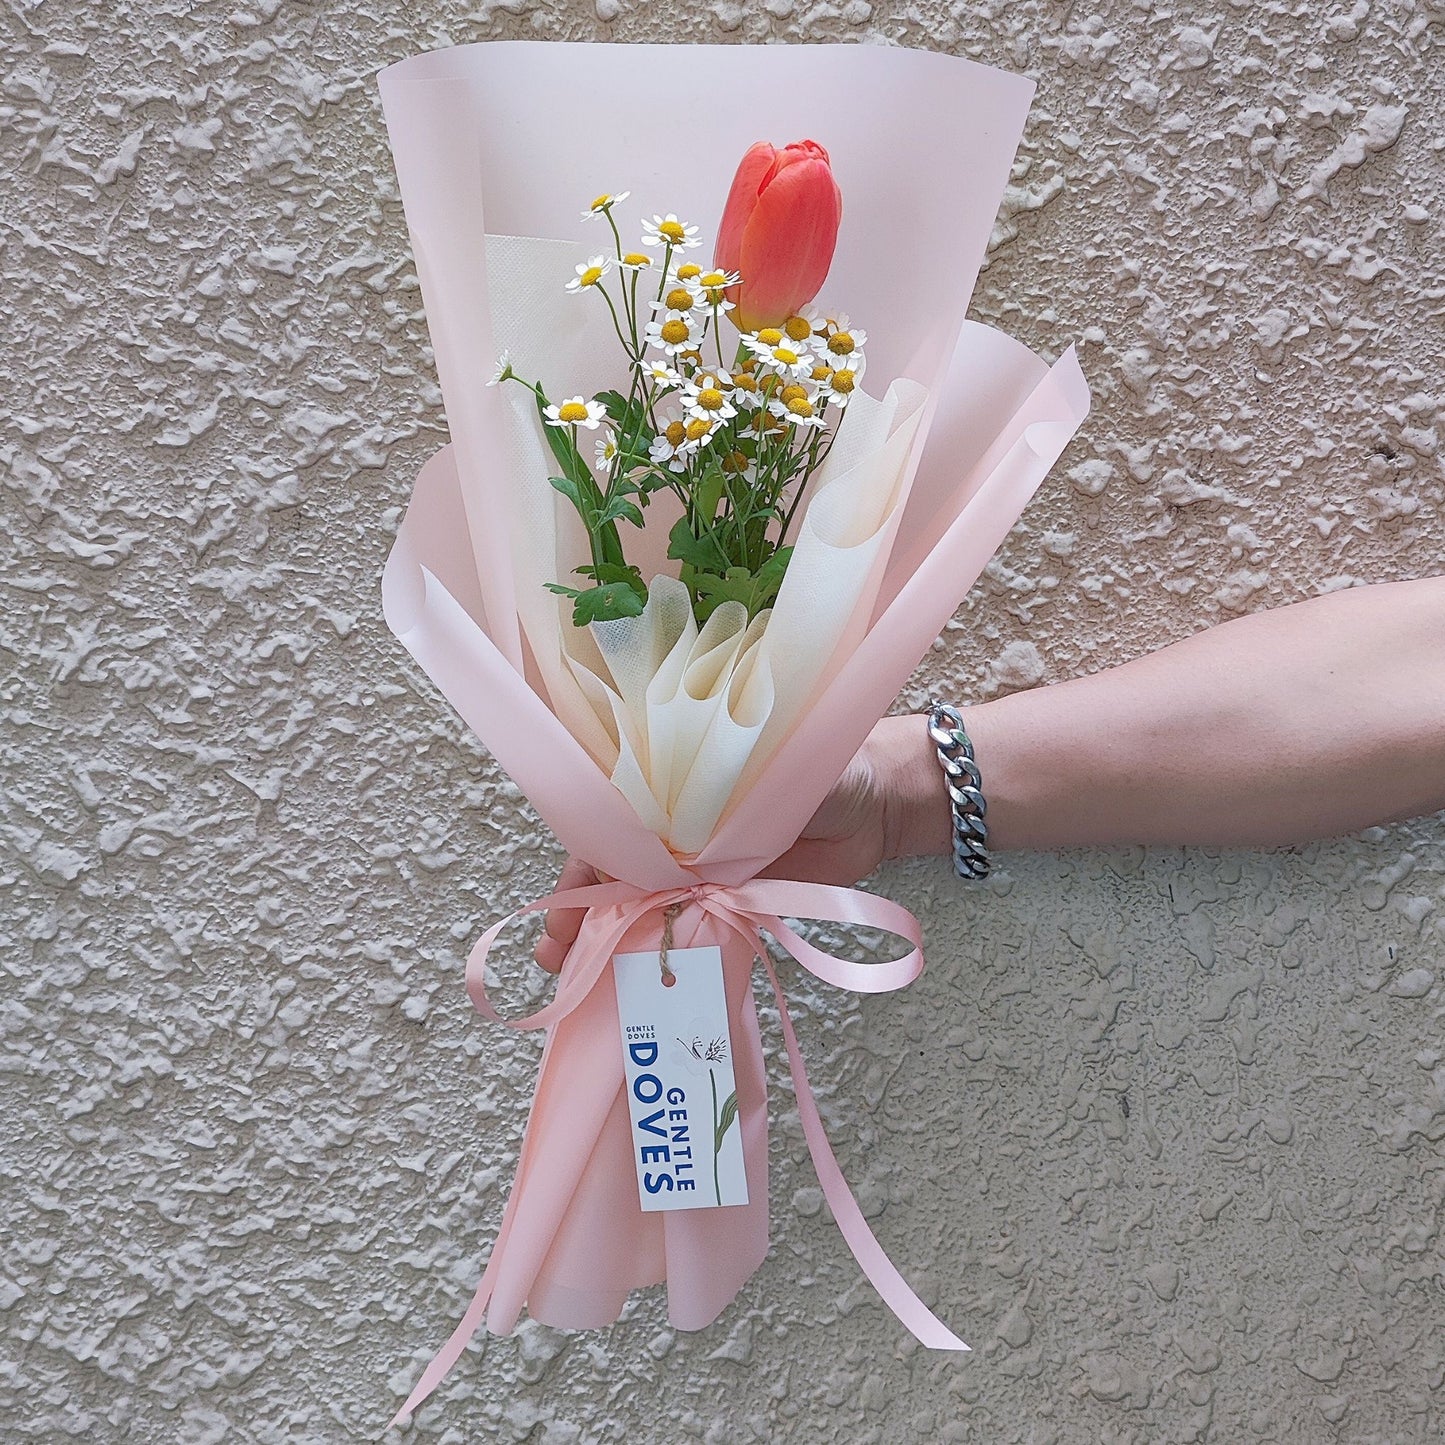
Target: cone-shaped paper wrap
{"type": "Point", "coordinates": [724, 741]}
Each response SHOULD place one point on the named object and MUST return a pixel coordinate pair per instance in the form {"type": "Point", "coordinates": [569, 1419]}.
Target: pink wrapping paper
{"type": "Point", "coordinates": [574, 1241]}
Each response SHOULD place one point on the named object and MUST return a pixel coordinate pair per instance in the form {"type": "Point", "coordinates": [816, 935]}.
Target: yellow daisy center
{"type": "Point", "coordinates": [715, 295]}
{"type": "Point", "coordinates": [822, 373]}
{"type": "Point", "coordinates": [710, 398]}
{"type": "Point", "coordinates": [601, 202]}
{"type": "Point", "coordinates": [713, 280]}
{"type": "Point", "coordinates": [844, 380]}
{"type": "Point", "coordinates": [770, 336]}
{"type": "Point", "coordinates": [800, 406]}
{"type": "Point", "coordinates": [744, 382]}
{"type": "Point", "coordinates": [675, 332]}
{"type": "Point", "coordinates": [786, 355]}
{"type": "Point", "coordinates": [676, 433]}
{"type": "Point", "coordinates": [697, 429]}
{"type": "Point", "coordinates": [735, 462]}
{"type": "Point", "coordinates": [572, 411]}
{"type": "Point", "coordinates": [678, 299]}
{"type": "Point", "coordinates": [790, 393]}
{"type": "Point", "coordinates": [636, 258]}
{"type": "Point", "coordinates": [689, 272]}
{"type": "Point", "coordinates": [672, 231]}
{"type": "Point", "coordinates": [592, 275]}
{"type": "Point", "coordinates": [840, 343]}
{"type": "Point", "coordinates": [797, 328]}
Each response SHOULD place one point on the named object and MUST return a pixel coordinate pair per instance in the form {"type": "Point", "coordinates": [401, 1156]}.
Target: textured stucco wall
{"type": "Point", "coordinates": [1159, 1132]}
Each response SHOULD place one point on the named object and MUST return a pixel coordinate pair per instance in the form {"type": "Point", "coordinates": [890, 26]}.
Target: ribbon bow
{"type": "Point", "coordinates": [746, 909]}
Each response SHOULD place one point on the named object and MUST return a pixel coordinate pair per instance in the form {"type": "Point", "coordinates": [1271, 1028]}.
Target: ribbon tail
{"type": "Point", "coordinates": [892, 1288]}
{"type": "Point", "coordinates": [451, 1352]}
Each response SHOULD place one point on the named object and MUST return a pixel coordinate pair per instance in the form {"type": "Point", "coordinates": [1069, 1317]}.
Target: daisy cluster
{"type": "Point", "coordinates": [780, 384]}
{"type": "Point", "coordinates": [733, 426]}
{"type": "Point", "coordinates": [778, 389]}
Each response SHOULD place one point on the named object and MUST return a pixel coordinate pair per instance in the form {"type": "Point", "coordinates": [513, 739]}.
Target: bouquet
{"type": "Point", "coordinates": [678, 560]}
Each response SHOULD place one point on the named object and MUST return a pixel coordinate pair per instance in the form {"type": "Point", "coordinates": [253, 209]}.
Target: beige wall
{"type": "Point", "coordinates": [1159, 1132]}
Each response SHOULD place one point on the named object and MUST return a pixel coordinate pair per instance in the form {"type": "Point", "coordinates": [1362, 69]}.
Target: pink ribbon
{"type": "Point", "coordinates": [745, 908]}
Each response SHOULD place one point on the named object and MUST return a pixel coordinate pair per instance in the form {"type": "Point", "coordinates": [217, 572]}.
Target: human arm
{"type": "Point", "coordinates": [1307, 721]}
{"type": "Point", "coordinates": [1304, 722]}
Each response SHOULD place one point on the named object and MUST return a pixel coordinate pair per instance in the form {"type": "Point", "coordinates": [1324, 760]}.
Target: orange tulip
{"type": "Point", "coordinates": [778, 231]}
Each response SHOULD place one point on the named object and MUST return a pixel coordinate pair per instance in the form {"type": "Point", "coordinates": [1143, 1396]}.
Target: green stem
{"type": "Point", "coordinates": [716, 1186]}
{"type": "Point", "coordinates": [617, 325]}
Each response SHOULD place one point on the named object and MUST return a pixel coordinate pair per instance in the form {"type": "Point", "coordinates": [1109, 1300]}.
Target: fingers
{"type": "Point", "coordinates": [563, 923]}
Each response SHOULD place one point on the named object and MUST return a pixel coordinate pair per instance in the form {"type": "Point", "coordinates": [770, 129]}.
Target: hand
{"type": "Point", "coordinates": [845, 841]}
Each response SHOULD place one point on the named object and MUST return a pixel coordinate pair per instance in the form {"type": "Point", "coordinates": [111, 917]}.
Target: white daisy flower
{"type": "Point", "coordinates": [799, 328]}
{"type": "Point", "coordinates": [504, 369]}
{"type": "Point", "coordinates": [589, 273]}
{"type": "Point", "coordinates": [700, 430]}
{"type": "Point", "coordinates": [839, 384]}
{"type": "Point", "coordinates": [669, 231]}
{"type": "Point", "coordinates": [738, 464]}
{"type": "Point", "coordinates": [707, 396]}
{"type": "Point", "coordinates": [779, 354]}
{"type": "Point", "coordinates": [668, 445]}
{"type": "Point", "coordinates": [840, 343]}
{"type": "Point", "coordinates": [679, 298]}
{"type": "Point", "coordinates": [576, 411]}
{"type": "Point", "coordinates": [710, 286]}
{"type": "Point", "coordinates": [673, 334]}
{"type": "Point", "coordinates": [604, 203]}
{"type": "Point", "coordinates": [604, 452]}
{"type": "Point", "coordinates": [746, 393]}
{"type": "Point", "coordinates": [823, 321]}
{"type": "Point", "coordinates": [661, 375]}
{"type": "Point", "coordinates": [796, 407]}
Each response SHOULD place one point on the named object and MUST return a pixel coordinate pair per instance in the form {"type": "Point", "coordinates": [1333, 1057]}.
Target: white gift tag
{"type": "Point", "coordinates": [686, 1137]}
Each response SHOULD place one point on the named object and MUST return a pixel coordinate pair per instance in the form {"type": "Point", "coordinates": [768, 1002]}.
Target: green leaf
{"type": "Point", "coordinates": [607, 603]}
{"type": "Point", "coordinates": [755, 590]}
{"type": "Point", "coordinates": [734, 585]}
{"type": "Point", "coordinates": [651, 480]}
{"type": "Point", "coordinates": [770, 576]}
{"type": "Point", "coordinates": [708, 493]}
{"type": "Point", "coordinates": [614, 402]}
{"type": "Point", "coordinates": [620, 509]}
{"type": "Point", "coordinates": [700, 552]}
{"type": "Point", "coordinates": [634, 433]}
{"type": "Point", "coordinates": [614, 572]}
{"type": "Point", "coordinates": [725, 1122]}
{"type": "Point", "coordinates": [573, 493]}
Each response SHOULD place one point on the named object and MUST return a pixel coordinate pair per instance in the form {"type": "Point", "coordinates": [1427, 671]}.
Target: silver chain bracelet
{"type": "Point", "coordinates": [965, 795]}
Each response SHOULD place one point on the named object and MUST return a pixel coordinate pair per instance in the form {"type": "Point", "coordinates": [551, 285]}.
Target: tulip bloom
{"type": "Point", "coordinates": [778, 231]}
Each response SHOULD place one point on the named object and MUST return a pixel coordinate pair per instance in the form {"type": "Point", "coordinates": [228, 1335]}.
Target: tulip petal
{"type": "Point", "coordinates": [787, 244]}
{"type": "Point", "coordinates": [752, 172]}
